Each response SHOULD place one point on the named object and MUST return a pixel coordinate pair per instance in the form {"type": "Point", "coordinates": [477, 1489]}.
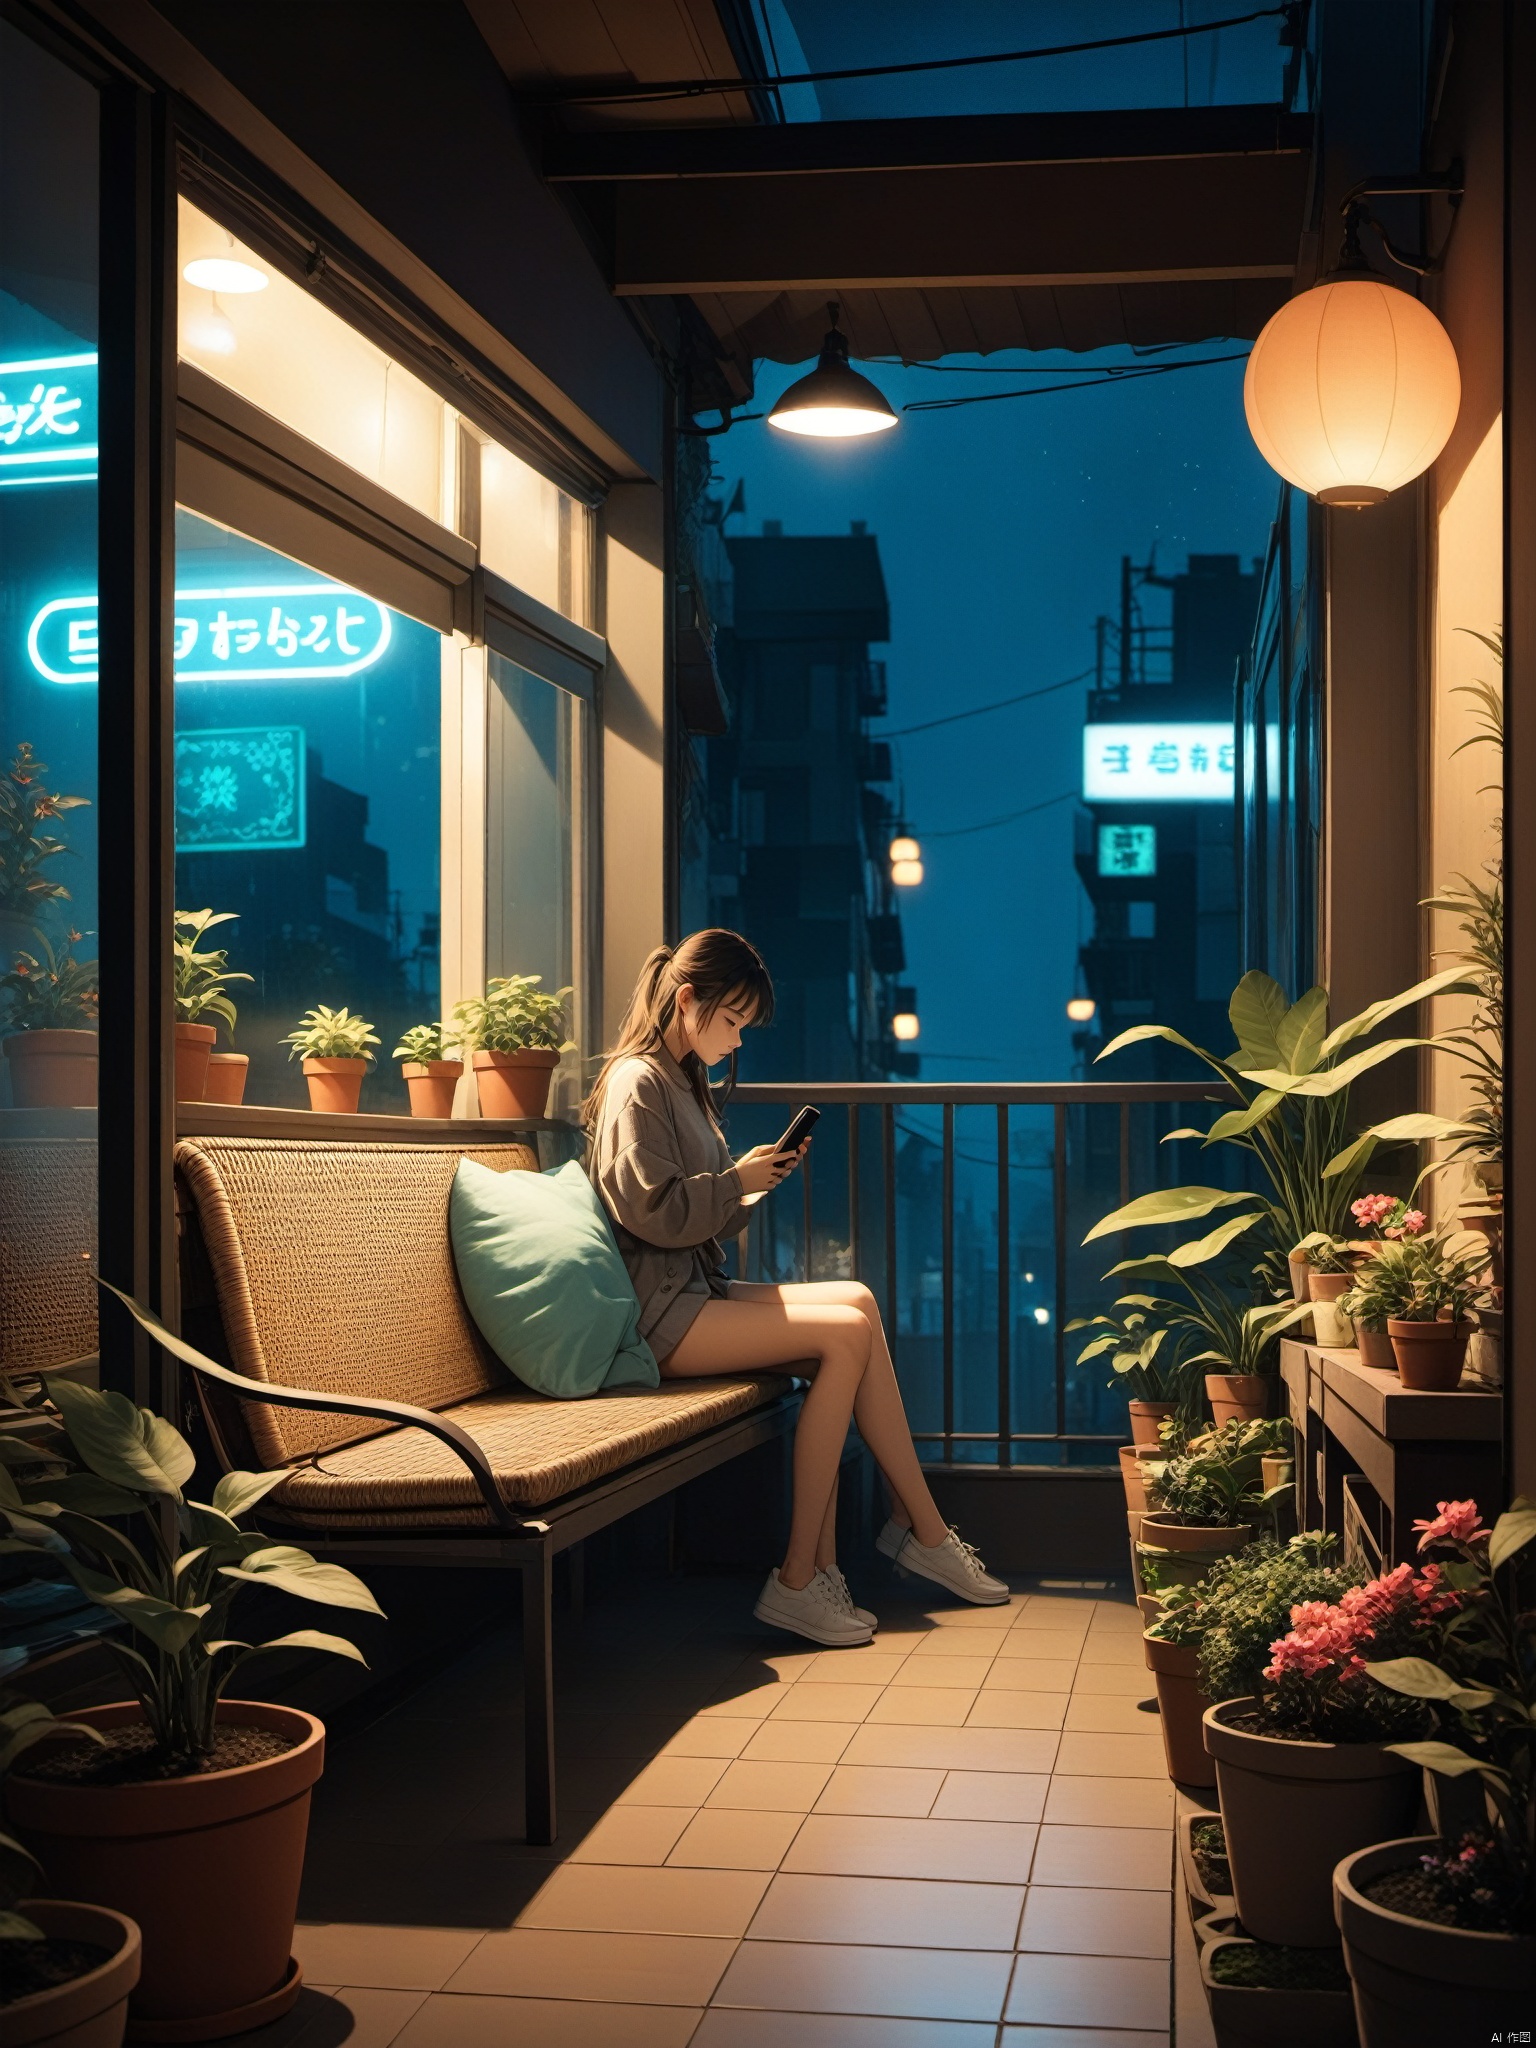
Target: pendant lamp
{"type": "Point", "coordinates": [1352, 388]}
{"type": "Point", "coordinates": [834, 401]}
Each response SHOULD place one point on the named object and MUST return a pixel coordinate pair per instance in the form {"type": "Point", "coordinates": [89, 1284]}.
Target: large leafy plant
{"type": "Point", "coordinates": [200, 979]}
{"type": "Point", "coordinates": [99, 1496]}
{"type": "Point", "coordinates": [23, 1723]}
{"type": "Point", "coordinates": [1292, 1076]}
{"type": "Point", "coordinates": [515, 1015]}
{"type": "Point", "coordinates": [1149, 1360]}
{"type": "Point", "coordinates": [26, 889]}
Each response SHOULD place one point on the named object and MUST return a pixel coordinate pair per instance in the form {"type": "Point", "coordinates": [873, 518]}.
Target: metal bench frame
{"type": "Point", "coordinates": [527, 1543]}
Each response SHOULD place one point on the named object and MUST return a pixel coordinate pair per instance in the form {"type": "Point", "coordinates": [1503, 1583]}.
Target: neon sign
{"type": "Point", "coordinates": [240, 789]}
{"type": "Point", "coordinates": [1170, 763]}
{"type": "Point", "coordinates": [1127, 849]}
{"type": "Point", "coordinates": [48, 421]}
{"type": "Point", "coordinates": [253, 633]}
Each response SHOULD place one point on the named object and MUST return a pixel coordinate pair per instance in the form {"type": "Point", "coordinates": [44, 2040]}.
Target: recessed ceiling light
{"type": "Point", "coordinates": [225, 274]}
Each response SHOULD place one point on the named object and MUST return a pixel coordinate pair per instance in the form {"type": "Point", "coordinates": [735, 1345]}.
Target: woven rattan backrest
{"type": "Point", "coordinates": [333, 1270]}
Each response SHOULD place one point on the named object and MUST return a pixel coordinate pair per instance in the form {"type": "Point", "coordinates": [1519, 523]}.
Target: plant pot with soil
{"type": "Point", "coordinates": [191, 1813]}
{"type": "Point", "coordinates": [1238, 1396]}
{"type": "Point", "coordinates": [1203, 1863]}
{"type": "Point", "coordinates": [1429, 1356]}
{"type": "Point", "coordinates": [1331, 1324]}
{"type": "Point", "coordinates": [334, 1046]}
{"type": "Point", "coordinates": [227, 1075]}
{"type": "Point", "coordinates": [1375, 1348]}
{"type": "Point", "coordinates": [1145, 1416]}
{"type": "Point", "coordinates": [1181, 1708]}
{"type": "Point", "coordinates": [430, 1075]}
{"type": "Point", "coordinates": [516, 1034]}
{"type": "Point", "coordinates": [1262, 1995]}
{"type": "Point", "coordinates": [53, 1050]}
{"type": "Point", "coordinates": [201, 978]}
{"type": "Point", "coordinates": [1431, 1281]}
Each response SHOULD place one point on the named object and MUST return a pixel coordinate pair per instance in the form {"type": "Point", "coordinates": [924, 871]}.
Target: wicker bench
{"type": "Point", "coordinates": [353, 1361]}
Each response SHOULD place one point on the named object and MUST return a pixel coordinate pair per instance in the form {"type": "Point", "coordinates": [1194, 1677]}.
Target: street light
{"type": "Point", "coordinates": [1082, 1009]}
{"type": "Point", "coordinates": [904, 1025]}
{"type": "Point", "coordinates": [904, 848]}
{"type": "Point", "coordinates": [906, 874]}
{"type": "Point", "coordinates": [834, 401]}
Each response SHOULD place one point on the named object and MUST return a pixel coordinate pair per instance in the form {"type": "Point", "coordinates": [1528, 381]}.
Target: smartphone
{"type": "Point", "coordinates": [799, 1130]}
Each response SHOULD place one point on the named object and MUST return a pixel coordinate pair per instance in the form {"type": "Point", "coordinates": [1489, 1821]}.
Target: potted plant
{"type": "Point", "coordinates": [1440, 1934]}
{"type": "Point", "coordinates": [1209, 1500]}
{"type": "Point", "coordinates": [431, 1075]}
{"type": "Point", "coordinates": [1305, 1766]}
{"type": "Point", "coordinates": [1145, 1357]}
{"type": "Point", "coordinates": [1420, 1291]}
{"type": "Point", "coordinates": [1331, 1271]}
{"type": "Point", "coordinates": [1379, 1289]}
{"type": "Point", "coordinates": [191, 1814]}
{"type": "Point", "coordinates": [515, 1033]}
{"type": "Point", "coordinates": [53, 1048]}
{"type": "Point", "coordinates": [1261, 1994]}
{"type": "Point", "coordinates": [65, 1969]}
{"type": "Point", "coordinates": [334, 1047]}
{"type": "Point", "coordinates": [26, 891]}
{"type": "Point", "coordinates": [199, 985]}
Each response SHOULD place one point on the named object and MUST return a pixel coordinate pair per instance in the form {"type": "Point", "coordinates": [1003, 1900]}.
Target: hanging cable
{"type": "Point", "coordinates": [1130, 374]}
{"type": "Point", "coordinates": [900, 732]}
{"type": "Point", "coordinates": [1008, 817]}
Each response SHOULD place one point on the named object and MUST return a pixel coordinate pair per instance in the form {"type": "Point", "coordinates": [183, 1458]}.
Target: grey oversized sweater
{"type": "Point", "coordinates": [662, 1168]}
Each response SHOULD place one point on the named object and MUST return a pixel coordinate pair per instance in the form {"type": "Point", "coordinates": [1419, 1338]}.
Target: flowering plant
{"type": "Point", "coordinates": [1316, 1683]}
{"type": "Point", "coordinates": [1244, 1601]}
{"type": "Point", "coordinates": [1482, 1686]}
{"type": "Point", "coordinates": [1387, 1216]}
{"type": "Point", "coordinates": [55, 992]}
{"type": "Point", "coordinates": [1420, 1280]}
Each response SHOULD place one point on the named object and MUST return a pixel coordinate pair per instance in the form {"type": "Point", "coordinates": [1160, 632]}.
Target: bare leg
{"type": "Point", "coordinates": [878, 1409]}
{"type": "Point", "coordinates": [832, 1341]}
{"type": "Point", "coordinates": [826, 1548]}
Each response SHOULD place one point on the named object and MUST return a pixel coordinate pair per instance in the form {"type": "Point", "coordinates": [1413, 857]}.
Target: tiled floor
{"type": "Point", "coordinates": [958, 1838]}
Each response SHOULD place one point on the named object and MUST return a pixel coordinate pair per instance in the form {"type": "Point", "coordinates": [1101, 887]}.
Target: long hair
{"type": "Point", "coordinates": [718, 966]}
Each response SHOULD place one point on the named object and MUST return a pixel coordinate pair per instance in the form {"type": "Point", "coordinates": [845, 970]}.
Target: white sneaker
{"type": "Point", "coordinates": [813, 1610]}
{"type": "Point", "coordinates": [892, 1537]}
{"type": "Point", "coordinates": [845, 1599]}
{"type": "Point", "coordinates": [953, 1563]}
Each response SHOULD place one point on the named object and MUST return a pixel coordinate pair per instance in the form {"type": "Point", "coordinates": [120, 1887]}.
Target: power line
{"type": "Point", "coordinates": [692, 88]}
{"type": "Point", "coordinates": [1130, 373]}
{"type": "Point", "coordinates": [901, 732]}
{"type": "Point", "coordinates": [1008, 818]}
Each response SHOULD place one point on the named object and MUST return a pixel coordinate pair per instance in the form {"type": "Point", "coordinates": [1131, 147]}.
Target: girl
{"type": "Point", "coordinates": [670, 1185]}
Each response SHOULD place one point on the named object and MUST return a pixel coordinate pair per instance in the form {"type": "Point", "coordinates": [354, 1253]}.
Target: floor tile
{"type": "Point", "coordinates": [922, 1706]}
{"type": "Point", "coordinates": [1118, 1616]}
{"type": "Point", "coordinates": [744, 1702]}
{"type": "Point", "coordinates": [1043, 1642]}
{"type": "Point", "coordinates": [709, 1736]}
{"type": "Point", "coordinates": [675, 1781]}
{"type": "Point", "coordinates": [962, 1642]}
{"type": "Point", "coordinates": [799, 1742]}
{"type": "Point", "coordinates": [1018, 1710]}
{"type": "Point", "coordinates": [994, 1618]}
{"type": "Point", "coordinates": [854, 1667]}
{"type": "Point", "coordinates": [876, 1788]}
{"type": "Point", "coordinates": [1114, 1756]}
{"type": "Point", "coordinates": [966, 1984]}
{"type": "Point", "coordinates": [888, 1912]}
{"type": "Point", "coordinates": [1047, 1610]}
{"type": "Point", "coordinates": [1129, 1681]}
{"type": "Point", "coordinates": [719, 1839]}
{"type": "Point", "coordinates": [1112, 1646]}
{"type": "Point", "coordinates": [959, 1671]}
{"type": "Point", "coordinates": [621, 1969]}
{"type": "Point", "coordinates": [1107, 1714]}
{"type": "Point", "coordinates": [371, 2019]}
{"type": "Point", "coordinates": [1110, 1802]}
{"type": "Point", "coordinates": [990, 1795]}
{"type": "Point", "coordinates": [458, 2020]}
{"type": "Point", "coordinates": [826, 1702]}
{"type": "Point", "coordinates": [742, 2029]}
{"type": "Point", "coordinates": [771, 1787]}
{"type": "Point", "coordinates": [1090, 1991]}
{"type": "Point", "coordinates": [955, 1749]}
{"type": "Point", "coordinates": [1135, 1859]}
{"type": "Point", "coordinates": [1075, 1921]}
{"type": "Point", "coordinates": [633, 1834]}
{"type": "Point", "coordinates": [1031, 1674]}
{"type": "Point", "coordinates": [627, 1900]}
{"type": "Point", "coordinates": [1079, 2037]}
{"type": "Point", "coordinates": [869, 1846]}
{"type": "Point", "coordinates": [383, 1958]}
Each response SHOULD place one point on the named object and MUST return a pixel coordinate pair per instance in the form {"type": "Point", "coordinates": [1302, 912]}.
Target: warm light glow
{"type": "Point", "coordinates": [1042, 1316]}
{"type": "Point", "coordinates": [905, 1025]}
{"type": "Point", "coordinates": [832, 422]}
{"type": "Point", "coordinates": [906, 874]}
{"type": "Point", "coordinates": [224, 274]}
{"type": "Point", "coordinates": [212, 332]}
{"type": "Point", "coordinates": [1352, 390]}
{"type": "Point", "coordinates": [905, 849]}
{"type": "Point", "coordinates": [1082, 1009]}
{"type": "Point", "coordinates": [834, 401]}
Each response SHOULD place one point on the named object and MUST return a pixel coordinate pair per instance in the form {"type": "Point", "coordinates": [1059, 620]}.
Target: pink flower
{"type": "Point", "coordinates": [1457, 1522]}
{"type": "Point", "coordinates": [1411, 1222]}
{"type": "Point", "coordinates": [1370, 1209]}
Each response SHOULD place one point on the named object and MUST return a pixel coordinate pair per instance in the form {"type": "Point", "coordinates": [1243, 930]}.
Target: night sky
{"type": "Point", "coordinates": [1001, 527]}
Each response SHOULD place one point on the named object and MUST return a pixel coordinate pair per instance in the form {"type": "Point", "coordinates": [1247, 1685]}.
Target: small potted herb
{"type": "Point", "coordinates": [53, 1048]}
{"type": "Point", "coordinates": [1419, 1293]}
{"type": "Point", "coordinates": [200, 983]}
{"type": "Point", "coordinates": [190, 1814]}
{"type": "Point", "coordinates": [1147, 1362]}
{"type": "Point", "coordinates": [26, 891]}
{"type": "Point", "coordinates": [516, 1033]}
{"type": "Point", "coordinates": [334, 1047]}
{"type": "Point", "coordinates": [1209, 1500]}
{"type": "Point", "coordinates": [431, 1076]}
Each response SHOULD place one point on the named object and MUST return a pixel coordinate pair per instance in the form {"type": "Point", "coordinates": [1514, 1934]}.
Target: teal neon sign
{"type": "Point", "coordinates": [249, 633]}
{"type": "Point", "coordinates": [48, 421]}
{"type": "Point", "coordinates": [240, 789]}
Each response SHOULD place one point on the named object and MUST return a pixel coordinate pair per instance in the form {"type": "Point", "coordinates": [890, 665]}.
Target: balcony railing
{"type": "Point", "coordinates": [963, 1207]}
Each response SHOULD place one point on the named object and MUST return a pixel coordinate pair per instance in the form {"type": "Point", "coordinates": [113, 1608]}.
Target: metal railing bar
{"type": "Point", "coordinates": [806, 1272]}
{"type": "Point", "coordinates": [1004, 1306]}
{"type": "Point", "coordinates": [1125, 1153]}
{"type": "Point", "coordinates": [1017, 1436]}
{"type": "Point", "coordinates": [948, 1256]}
{"type": "Point", "coordinates": [1059, 1204]}
{"type": "Point", "coordinates": [855, 1235]}
{"type": "Point", "coordinates": [920, 1094]}
{"type": "Point", "coordinates": [888, 1161]}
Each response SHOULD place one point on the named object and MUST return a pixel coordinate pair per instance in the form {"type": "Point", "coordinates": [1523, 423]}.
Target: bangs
{"type": "Point", "coordinates": [752, 996]}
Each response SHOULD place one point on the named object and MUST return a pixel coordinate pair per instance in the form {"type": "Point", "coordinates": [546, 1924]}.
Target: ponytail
{"type": "Point", "coordinates": [716, 965]}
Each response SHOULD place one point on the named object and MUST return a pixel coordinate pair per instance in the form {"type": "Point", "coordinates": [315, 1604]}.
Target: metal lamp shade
{"type": "Point", "coordinates": [834, 401]}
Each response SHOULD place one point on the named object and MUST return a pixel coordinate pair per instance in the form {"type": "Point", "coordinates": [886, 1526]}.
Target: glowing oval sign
{"type": "Point", "coordinates": [251, 633]}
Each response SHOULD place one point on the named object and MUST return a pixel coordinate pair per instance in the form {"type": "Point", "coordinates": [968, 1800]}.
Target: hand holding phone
{"type": "Point", "coordinates": [765, 1166]}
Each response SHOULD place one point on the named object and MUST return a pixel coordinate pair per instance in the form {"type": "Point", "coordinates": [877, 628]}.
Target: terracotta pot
{"type": "Point", "coordinates": [1158, 1527]}
{"type": "Point", "coordinates": [1416, 1981]}
{"type": "Point", "coordinates": [89, 2011]}
{"type": "Point", "coordinates": [227, 1072]}
{"type": "Point", "coordinates": [514, 1084]}
{"type": "Point", "coordinates": [335, 1084]}
{"type": "Point", "coordinates": [1376, 1349]}
{"type": "Point", "coordinates": [53, 1069]}
{"type": "Point", "coordinates": [1429, 1355]}
{"type": "Point", "coordinates": [1133, 1476]}
{"type": "Point", "coordinates": [1251, 2016]}
{"type": "Point", "coordinates": [1329, 1286]}
{"type": "Point", "coordinates": [1238, 1396]}
{"type": "Point", "coordinates": [1181, 1706]}
{"type": "Point", "coordinates": [1277, 1470]}
{"type": "Point", "coordinates": [208, 1866]}
{"type": "Point", "coordinates": [1301, 1278]}
{"type": "Point", "coordinates": [430, 1085]}
{"type": "Point", "coordinates": [1291, 1810]}
{"type": "Point", "coordinates": [194, 1042]}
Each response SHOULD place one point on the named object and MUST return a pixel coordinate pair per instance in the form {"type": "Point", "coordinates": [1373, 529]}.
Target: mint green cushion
{"type": "Point", "coordinates": [544, 1281]}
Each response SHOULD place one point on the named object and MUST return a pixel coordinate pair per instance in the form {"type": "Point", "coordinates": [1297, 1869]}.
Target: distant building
{"type": "Point", "coordinates": [1155, 844]}
{"type": "Point", "coordinates": [785, 809]}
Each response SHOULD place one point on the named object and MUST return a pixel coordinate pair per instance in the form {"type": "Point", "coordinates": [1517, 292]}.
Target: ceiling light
{"type": "Point", "coordinates": [833, 401]}
{"type": "Point", "coordinates": [905, 849]}
{"type": "Point", "coordinates": [211, 334]}
{"type": "Point", "coordinates": [225, 274]}
{"type": "Point", "coordinates": [906, 874]}
{"type": "Point", "coordinates": [904, 1025]}
{"type": "Point", "coordinates": [1082, 1009]}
